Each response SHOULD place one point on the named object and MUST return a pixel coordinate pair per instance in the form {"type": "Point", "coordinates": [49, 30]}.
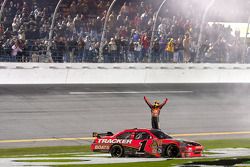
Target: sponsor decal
{"type": "Point", "coordinates": [159, 142]}
{"type": "Point", "coordinates": [114, 141]}
{"type": "Point", "coordinates": [160, 146]}
{"type": "Point", "coordinates": [101, 147]}
{"type": "Point", "coordinates": [154, 147]}
{"type": "Point", "coordinates": [159, 150]}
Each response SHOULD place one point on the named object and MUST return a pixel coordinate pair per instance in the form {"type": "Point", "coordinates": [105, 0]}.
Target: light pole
{"type": "Point", "coordinates": [51, 32]}
{"type": "Point", "coordinates": [104, 32]}
{"type": "Point", "coordinates": [153, 31]}
{"type": "Point", "coordinates": [2, 8]}
{"type": "Point", "coordinates": [204, 17]}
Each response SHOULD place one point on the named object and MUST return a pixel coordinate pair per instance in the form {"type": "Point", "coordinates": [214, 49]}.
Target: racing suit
{"type": "Point", "coordinates": [155, 112]}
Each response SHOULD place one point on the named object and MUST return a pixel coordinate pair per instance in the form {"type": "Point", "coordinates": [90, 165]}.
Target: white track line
{"type": "Point", "coordinates": [131, 92]}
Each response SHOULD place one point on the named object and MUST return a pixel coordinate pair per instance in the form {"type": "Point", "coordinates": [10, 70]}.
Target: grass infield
{"type": "Point", "coordinates": [69, 151]}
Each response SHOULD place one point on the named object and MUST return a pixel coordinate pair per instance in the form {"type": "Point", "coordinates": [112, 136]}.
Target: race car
{"type": "Point", "coordinates": [144, 143]}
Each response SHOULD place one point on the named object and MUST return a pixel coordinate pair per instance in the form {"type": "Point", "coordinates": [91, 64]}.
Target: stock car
{"type": "Point", "coordinates": [144, 143]}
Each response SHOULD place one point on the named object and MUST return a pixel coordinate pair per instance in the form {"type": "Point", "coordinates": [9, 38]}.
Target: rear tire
{"type": "Point", "coordinates": [171, 151]}
{"type": "Point", "coordinates": [117, 151]}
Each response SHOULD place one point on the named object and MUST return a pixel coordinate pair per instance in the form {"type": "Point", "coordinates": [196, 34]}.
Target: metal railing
{"type": "Point", "coordinates": [126, 54]}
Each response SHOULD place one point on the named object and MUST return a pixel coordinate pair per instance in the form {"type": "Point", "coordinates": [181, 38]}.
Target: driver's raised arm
{"type": "Point", "coordinates": [148, 103]}
{"type": "Point", "coordinates": [164, 102]}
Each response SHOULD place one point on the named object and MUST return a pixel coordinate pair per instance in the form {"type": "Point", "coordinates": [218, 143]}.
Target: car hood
{"type": "Point", "coordinates": [185, 142]}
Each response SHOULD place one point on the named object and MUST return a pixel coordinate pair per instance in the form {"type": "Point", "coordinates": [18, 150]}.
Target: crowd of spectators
{"type": "Point", "coordinates": [25, 26]}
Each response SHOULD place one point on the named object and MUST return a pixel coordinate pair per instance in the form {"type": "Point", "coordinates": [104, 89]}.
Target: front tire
{"type": "Point", "coordinates": [117, 151]}
{"type": "Point", "coordinates": [171, 151]}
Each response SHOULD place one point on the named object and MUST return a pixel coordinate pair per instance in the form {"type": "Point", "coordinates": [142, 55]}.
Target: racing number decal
{"type": "Point", "coordinates": [142, 146]}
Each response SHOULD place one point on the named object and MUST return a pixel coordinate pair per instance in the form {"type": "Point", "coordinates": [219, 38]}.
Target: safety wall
{"type": "Point", "coordinates": [39, 73]}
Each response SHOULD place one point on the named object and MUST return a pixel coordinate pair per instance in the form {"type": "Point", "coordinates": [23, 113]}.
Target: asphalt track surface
{"type": "Point", "coordinates": [73, 111]}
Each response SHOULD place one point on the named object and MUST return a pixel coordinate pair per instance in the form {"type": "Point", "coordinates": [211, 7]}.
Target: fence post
{"type": "Point", "coordinates": [204, 17]}
{"type": "Point", "coordinates": [153, 31]}
{"type": "Point", "coordinates": [100, 59]}
{"type": "Point", "coordinates": [51, 33]}
{"type": "Point", "coordinates": [245, 42]}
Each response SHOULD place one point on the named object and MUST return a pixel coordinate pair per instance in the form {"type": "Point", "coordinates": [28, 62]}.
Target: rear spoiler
{"type": "Point", "coordinates": [99, 135]}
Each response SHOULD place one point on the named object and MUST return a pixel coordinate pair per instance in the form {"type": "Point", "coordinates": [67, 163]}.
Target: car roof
{"type": "Point", "coordinates": [133, 130]}
{"type": "Point", "coordinates": [139, 129]}
{"type": "Point", "coordinates": [136, 129]}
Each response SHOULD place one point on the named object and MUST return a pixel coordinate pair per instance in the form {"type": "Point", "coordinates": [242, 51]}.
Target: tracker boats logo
{"type": "Point", "coordinates": [114, 141]}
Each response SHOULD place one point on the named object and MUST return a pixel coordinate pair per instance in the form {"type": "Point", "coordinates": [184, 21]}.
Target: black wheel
{"type": "Point", "coordinates": [171, 151]}
{"type": "Point", "coordinates": [117, 151]}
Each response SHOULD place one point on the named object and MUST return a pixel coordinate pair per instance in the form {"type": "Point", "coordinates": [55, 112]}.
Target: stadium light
{"type": "Point", "coordinates": [153, 31]}
{"type": "Point", "coordinates": [100, 59]}
{"type": "Point", "coordinates": [2, 8]}
{"type": "Point", "coordinates": [51, 31]}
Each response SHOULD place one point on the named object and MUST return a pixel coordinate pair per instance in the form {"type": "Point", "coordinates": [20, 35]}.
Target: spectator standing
{"type": "Point", "coordinates": [203, 50]}
{"type": "Point", "coordinates": [81, 51]}
{"type": "Point", "coordinates": [221, 50]}
{"type": "Point", "coordinates": [105, 52]}
{"type": "Point", "coordinates": [61, 48]}
{"type": "Point", "coordinates": [176, 52]}
{"type": "Point", "coordinates": [7, 49]}
{"type": "Point", "coordinates": [131, 56]}
{"type": "Point", "coordinates": [113, 50]}
{"type": "Point", "coordinates": [180, 50]}
{"type": "Point", "coordinates": [77, 23]}
{"type": "Point", "coordinates": [193, 51]}
{"type": "Point", "coordinates": [124, 50]}
{"type": "Point", "coordinates": [119, 20]}
{"type": "Point", "coordinates": [145, 42]}
{"type": "Point", "coordinates": [15, 26]}
{"type": "Point", "coordinates": [87, 43]}
{"type": "Point", "coordinates": [170, 50]}
{"type": "Point", "coordinates": [156, 52]}
{"type": "Point", "coordinates": [136, 36]}
{"type": "Point", "coordinates": [137, 22]}
{"type": "Point", "coordinates": [111, 22]}
{"type": "Point", "coordinates": [66, 56]}
{"type": "Point", "coordinates": [162, 43]}
{"type": "Point", "coordinates": [125, 10]}
{"type": "Point", "coordinates": [35, 51]}
{"type": "Point", "coordinates": [138, 49]}
{"type": "Point", "coordinates": [73, 49]}
{"type": "Point", "coordinates": [73, 8]}
{"type": "Point", "coordinates": [144, 19]}
{"type": "Point", "coordinates": [15, 51]}
{"type": "Point", "coordinates": [19, 57]}
{"type": "Point", "coordinates": [248, 55]}
{"type": "Point", "coordinates": [118, 56]}
{"type": "Point", "coordinates": [186, 46]}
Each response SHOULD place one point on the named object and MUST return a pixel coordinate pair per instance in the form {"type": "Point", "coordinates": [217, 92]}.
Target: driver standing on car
{"type": "Point", "coordinates": [155, 111]}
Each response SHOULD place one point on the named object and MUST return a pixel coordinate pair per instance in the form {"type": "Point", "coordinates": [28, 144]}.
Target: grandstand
{"type": "Point", "coordinates": [77, 34]}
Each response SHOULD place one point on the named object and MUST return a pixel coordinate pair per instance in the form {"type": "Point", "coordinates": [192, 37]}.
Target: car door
{"type": "Point", "coordinates": [141, 141]}
{"type": "Point", "coordinates": [147, 144]}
